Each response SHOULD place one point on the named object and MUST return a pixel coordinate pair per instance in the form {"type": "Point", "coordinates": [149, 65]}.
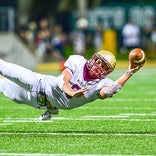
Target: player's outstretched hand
{"type": "Point", "coordinates": [80, 92]}
{"type": "Point", "coordinates": [134, 69]}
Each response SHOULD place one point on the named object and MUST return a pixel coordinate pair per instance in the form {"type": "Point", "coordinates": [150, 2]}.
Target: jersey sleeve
{"type": "Point", "coordinates": [92, 93]}
{"type": "Point", "coordinates": [104, 83]}
{"type": "Point", "coordinates": [73, 62]}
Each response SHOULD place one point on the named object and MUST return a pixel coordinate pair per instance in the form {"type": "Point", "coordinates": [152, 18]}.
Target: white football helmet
{"type": "Point", "coordinates": [101, 64]}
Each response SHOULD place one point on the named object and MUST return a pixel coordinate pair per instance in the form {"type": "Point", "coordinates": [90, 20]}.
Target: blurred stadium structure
{"type": "Point", "coordinates": [7, 18]}
{"type": "Point", "coordinates": [111, 14]}
{"type": "Point", "coordinates": [13, 50]}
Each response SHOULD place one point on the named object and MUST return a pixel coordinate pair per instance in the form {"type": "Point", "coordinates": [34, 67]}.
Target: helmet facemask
{"type": "Point", "coordinates": [98, 66]}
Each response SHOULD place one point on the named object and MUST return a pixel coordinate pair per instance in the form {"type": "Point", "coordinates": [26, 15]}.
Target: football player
{"type": "Point", "coordinates": [82, 81]}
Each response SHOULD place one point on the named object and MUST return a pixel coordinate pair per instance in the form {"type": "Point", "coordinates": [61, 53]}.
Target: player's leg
{"type": "Point", "coordinates": [18, 94]}
{"type": "Point", "coordinates": [22, 96]}
{"type": "Point", "coordinates": [18, 82]}
{"type": "Point", "coordinates": [12, 90]}
{"type": "Point", "coordinates": [20, 75]}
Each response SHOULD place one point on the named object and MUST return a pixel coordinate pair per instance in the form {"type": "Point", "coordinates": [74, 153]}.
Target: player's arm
{"type": "Point", "coordinates": [109, 91]}
{"type": "Point", "coordinates": [67, 75]}
{"type": "Point", "coordinates": [137, 59]}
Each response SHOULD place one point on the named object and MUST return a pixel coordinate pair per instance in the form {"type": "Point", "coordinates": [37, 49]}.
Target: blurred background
{"type": "Point", "coordinates": [34, 32]}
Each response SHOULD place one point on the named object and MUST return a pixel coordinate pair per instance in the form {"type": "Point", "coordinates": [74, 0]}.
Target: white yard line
{"type": "Point", "coordinates": [85, 118]}
{"type": "Point", "coordinates": [105, 116]}
{"type": "Point", "coordinates": [118, 117]}
{"type": "Point", "coordinates": [39, 154]}
{"type": "Point", "coordinates": [79, 134]}
{"type": "Point", "coordinates": [117, 108]}
{"type": "Point", "coordinates": [134, 99]}
{"type": "Point", "coordinates": [138, 114]}
{"type": "Point", "coordinates": [5, 124]}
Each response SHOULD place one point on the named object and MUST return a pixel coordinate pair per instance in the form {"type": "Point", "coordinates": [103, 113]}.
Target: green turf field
{"type": "Point", "coordinates": [122, 125]}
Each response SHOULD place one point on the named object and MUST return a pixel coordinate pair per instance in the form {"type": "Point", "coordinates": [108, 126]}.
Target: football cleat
{"type": "Point", "coordinates": [48, 114]}
{"type": "Point", "coordinates": [45, 116]}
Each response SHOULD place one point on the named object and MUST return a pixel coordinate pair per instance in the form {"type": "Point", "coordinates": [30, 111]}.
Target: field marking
{"type": "Point", "coordinates": [40, 154]}
{"type": "Point", "coordinates": [5, 124]}
{"type": "Point", "coordinates": [120, 117]}
{"type": "Point", "coordinates": [14, 120]}
{"type": "Point", "coordinates": [138, 114]}
{"type": "Point", "coordinates": [118, 108]}
{"type": "Point", "coordinates": [105, 116]}
{"type": "Point", "coordinates": [72, 133]}
{"type": "Point", "coordinates": [135, 99]}
{"type": "Point", "coordinates": [84, 118]}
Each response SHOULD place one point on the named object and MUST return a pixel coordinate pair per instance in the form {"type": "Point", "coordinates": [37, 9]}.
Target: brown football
{"type": "Point", "coordinates": [137, 56]}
